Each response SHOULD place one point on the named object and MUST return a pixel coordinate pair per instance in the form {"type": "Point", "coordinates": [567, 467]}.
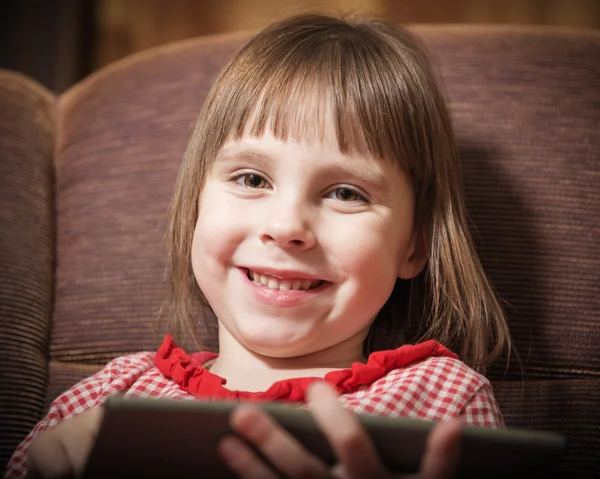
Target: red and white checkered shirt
{"type": "Point", "coordinates": [438, 388]}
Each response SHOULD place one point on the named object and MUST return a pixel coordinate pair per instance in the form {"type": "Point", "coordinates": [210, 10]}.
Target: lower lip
{"type": "Point", "coordinates": [291, 297]}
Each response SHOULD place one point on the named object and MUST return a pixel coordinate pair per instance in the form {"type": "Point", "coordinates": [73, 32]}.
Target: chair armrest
{"type": "Point", "coordinates": [27, 138]}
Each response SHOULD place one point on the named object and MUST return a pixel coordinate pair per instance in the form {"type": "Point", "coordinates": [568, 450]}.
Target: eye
{"type": "Point", "coordinates": [346, 194]}
{"type": "Point", "coordinates": [251, 181]}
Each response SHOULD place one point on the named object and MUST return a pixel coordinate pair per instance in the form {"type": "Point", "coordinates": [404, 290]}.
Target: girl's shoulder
{"type": "Point", "coordinates": [137, 375]}
{"type": "Point", "coordinates": [441, 375]}
{"type": "Point", "coordinates": [436, 388]}
{"type": "Point", "coordinates": [131, 375]}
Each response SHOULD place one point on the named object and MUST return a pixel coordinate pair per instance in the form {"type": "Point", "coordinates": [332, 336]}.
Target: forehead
{"type": "Point", "coordinates": [305, 116]}
{"type": "Point", "coordinates": [269, 149]}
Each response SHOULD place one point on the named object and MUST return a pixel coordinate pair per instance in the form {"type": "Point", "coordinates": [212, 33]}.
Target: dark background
{"type": "Point", "coordinates": [58, 42]}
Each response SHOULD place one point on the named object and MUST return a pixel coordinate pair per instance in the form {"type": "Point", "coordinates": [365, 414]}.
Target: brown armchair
{"type": "Point", "coordinates": [85, 181]}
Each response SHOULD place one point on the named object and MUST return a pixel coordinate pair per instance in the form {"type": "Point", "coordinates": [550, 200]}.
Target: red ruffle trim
{"type": "Point", "coordinates": [187, 371]}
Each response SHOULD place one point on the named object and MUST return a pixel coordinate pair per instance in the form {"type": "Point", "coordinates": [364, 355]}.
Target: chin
{"type": "Point", "coordinates": [277, 346]}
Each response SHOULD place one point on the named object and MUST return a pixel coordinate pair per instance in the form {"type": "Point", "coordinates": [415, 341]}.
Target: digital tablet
{"type": "Point", "coordinates": [162, 438]}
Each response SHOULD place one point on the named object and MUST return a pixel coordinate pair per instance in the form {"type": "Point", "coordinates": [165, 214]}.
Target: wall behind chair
{"type": "Point", "coordinates": [127, 26]}
{"type": "Point", "coordinates": [58, 42]}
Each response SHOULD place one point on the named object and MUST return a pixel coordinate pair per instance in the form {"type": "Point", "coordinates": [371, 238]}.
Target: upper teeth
{"type": "Point", "coordinates": [283, 284]}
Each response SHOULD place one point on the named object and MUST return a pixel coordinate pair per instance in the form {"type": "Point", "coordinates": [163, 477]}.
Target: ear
{"type": "Point", "coordinates": [417, 256]}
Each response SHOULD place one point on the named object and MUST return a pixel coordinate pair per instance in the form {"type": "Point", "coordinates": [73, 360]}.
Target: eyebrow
{"type": "Point", "coordinates": [374, 177]}
{"type": "Point", "coordinates": [227, 155]}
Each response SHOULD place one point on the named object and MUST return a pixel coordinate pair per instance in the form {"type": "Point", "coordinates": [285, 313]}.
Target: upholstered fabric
{"type": "Point", "coordinates": [569, 406]}
{"type": "Point", "coordinates": [27, 129]}
{"type": "Point", "coordinates": [125, 131]}
{"type": "Point", "coordinates": [526, 108]}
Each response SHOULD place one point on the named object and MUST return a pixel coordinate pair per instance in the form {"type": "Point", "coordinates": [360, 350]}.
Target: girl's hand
{"type": "Point", "coordinates": [62, 451]}
{"type": "Point", "coordinates": [357, 457]}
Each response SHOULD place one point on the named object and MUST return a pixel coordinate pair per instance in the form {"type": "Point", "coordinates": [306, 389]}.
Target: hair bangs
{"type": "Point", "coordinates": [319, 88]}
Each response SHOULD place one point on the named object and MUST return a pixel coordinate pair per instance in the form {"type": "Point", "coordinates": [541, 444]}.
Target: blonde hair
{"type": "Point", "coordinates": [374, 83]}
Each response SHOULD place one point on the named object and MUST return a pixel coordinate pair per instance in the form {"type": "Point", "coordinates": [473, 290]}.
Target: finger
{"type": "Point", "coordinates": [352, 446]}
{"type": "Point", "coordinates": [442, 452]}
{"type": "Point", "coordinates": [242, 460]}
{"type": "Point", "coordinates": [276, 444]}
{"type": "Point", "coordinates": [47, 458]}
{"type": "Point", "coordinates": [78, 444]}
{"type": "Point", "coordinates": [63, 450]}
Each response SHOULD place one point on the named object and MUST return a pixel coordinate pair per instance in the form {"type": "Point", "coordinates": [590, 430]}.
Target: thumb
{"type": "Point", "coordinates": [62, 452]}
{"type": "Point", "coordinates": [442, 453]}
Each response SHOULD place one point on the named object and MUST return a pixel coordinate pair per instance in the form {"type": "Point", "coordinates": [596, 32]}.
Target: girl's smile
{"type": "Point", "coordinates": [283, 288]}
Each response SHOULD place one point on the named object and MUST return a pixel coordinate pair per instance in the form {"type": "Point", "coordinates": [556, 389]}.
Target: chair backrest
{"type": "Point", "coordinates": [526, 109]}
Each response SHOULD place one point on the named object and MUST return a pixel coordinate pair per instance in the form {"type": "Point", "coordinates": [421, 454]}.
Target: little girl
{"type": "Point", "coordinates": [318, 208]}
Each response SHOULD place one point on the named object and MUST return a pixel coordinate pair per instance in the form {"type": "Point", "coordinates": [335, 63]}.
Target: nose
{"type": "Point", "coordinates": [287, 224]}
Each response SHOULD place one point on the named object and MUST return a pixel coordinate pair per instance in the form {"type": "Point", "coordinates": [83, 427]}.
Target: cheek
{"type": "Point", "coordinates": [211, 254]}
{"type": "Point", "coordinates": [210, 257]}
{"type": "Point", "coordinates": [368, 266]}
{"type": "Point", "coordinates": [371, 267]}
{"type": "Point", "coordinates": [200, 254]}
{"type": "Point", "coordinates": [371, 252]}
{"type": "Point", "coordinates": [219, 230]}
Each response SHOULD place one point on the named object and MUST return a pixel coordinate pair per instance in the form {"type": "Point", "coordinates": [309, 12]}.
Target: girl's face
{"type": "Point", "coordinates": [298, 246]}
